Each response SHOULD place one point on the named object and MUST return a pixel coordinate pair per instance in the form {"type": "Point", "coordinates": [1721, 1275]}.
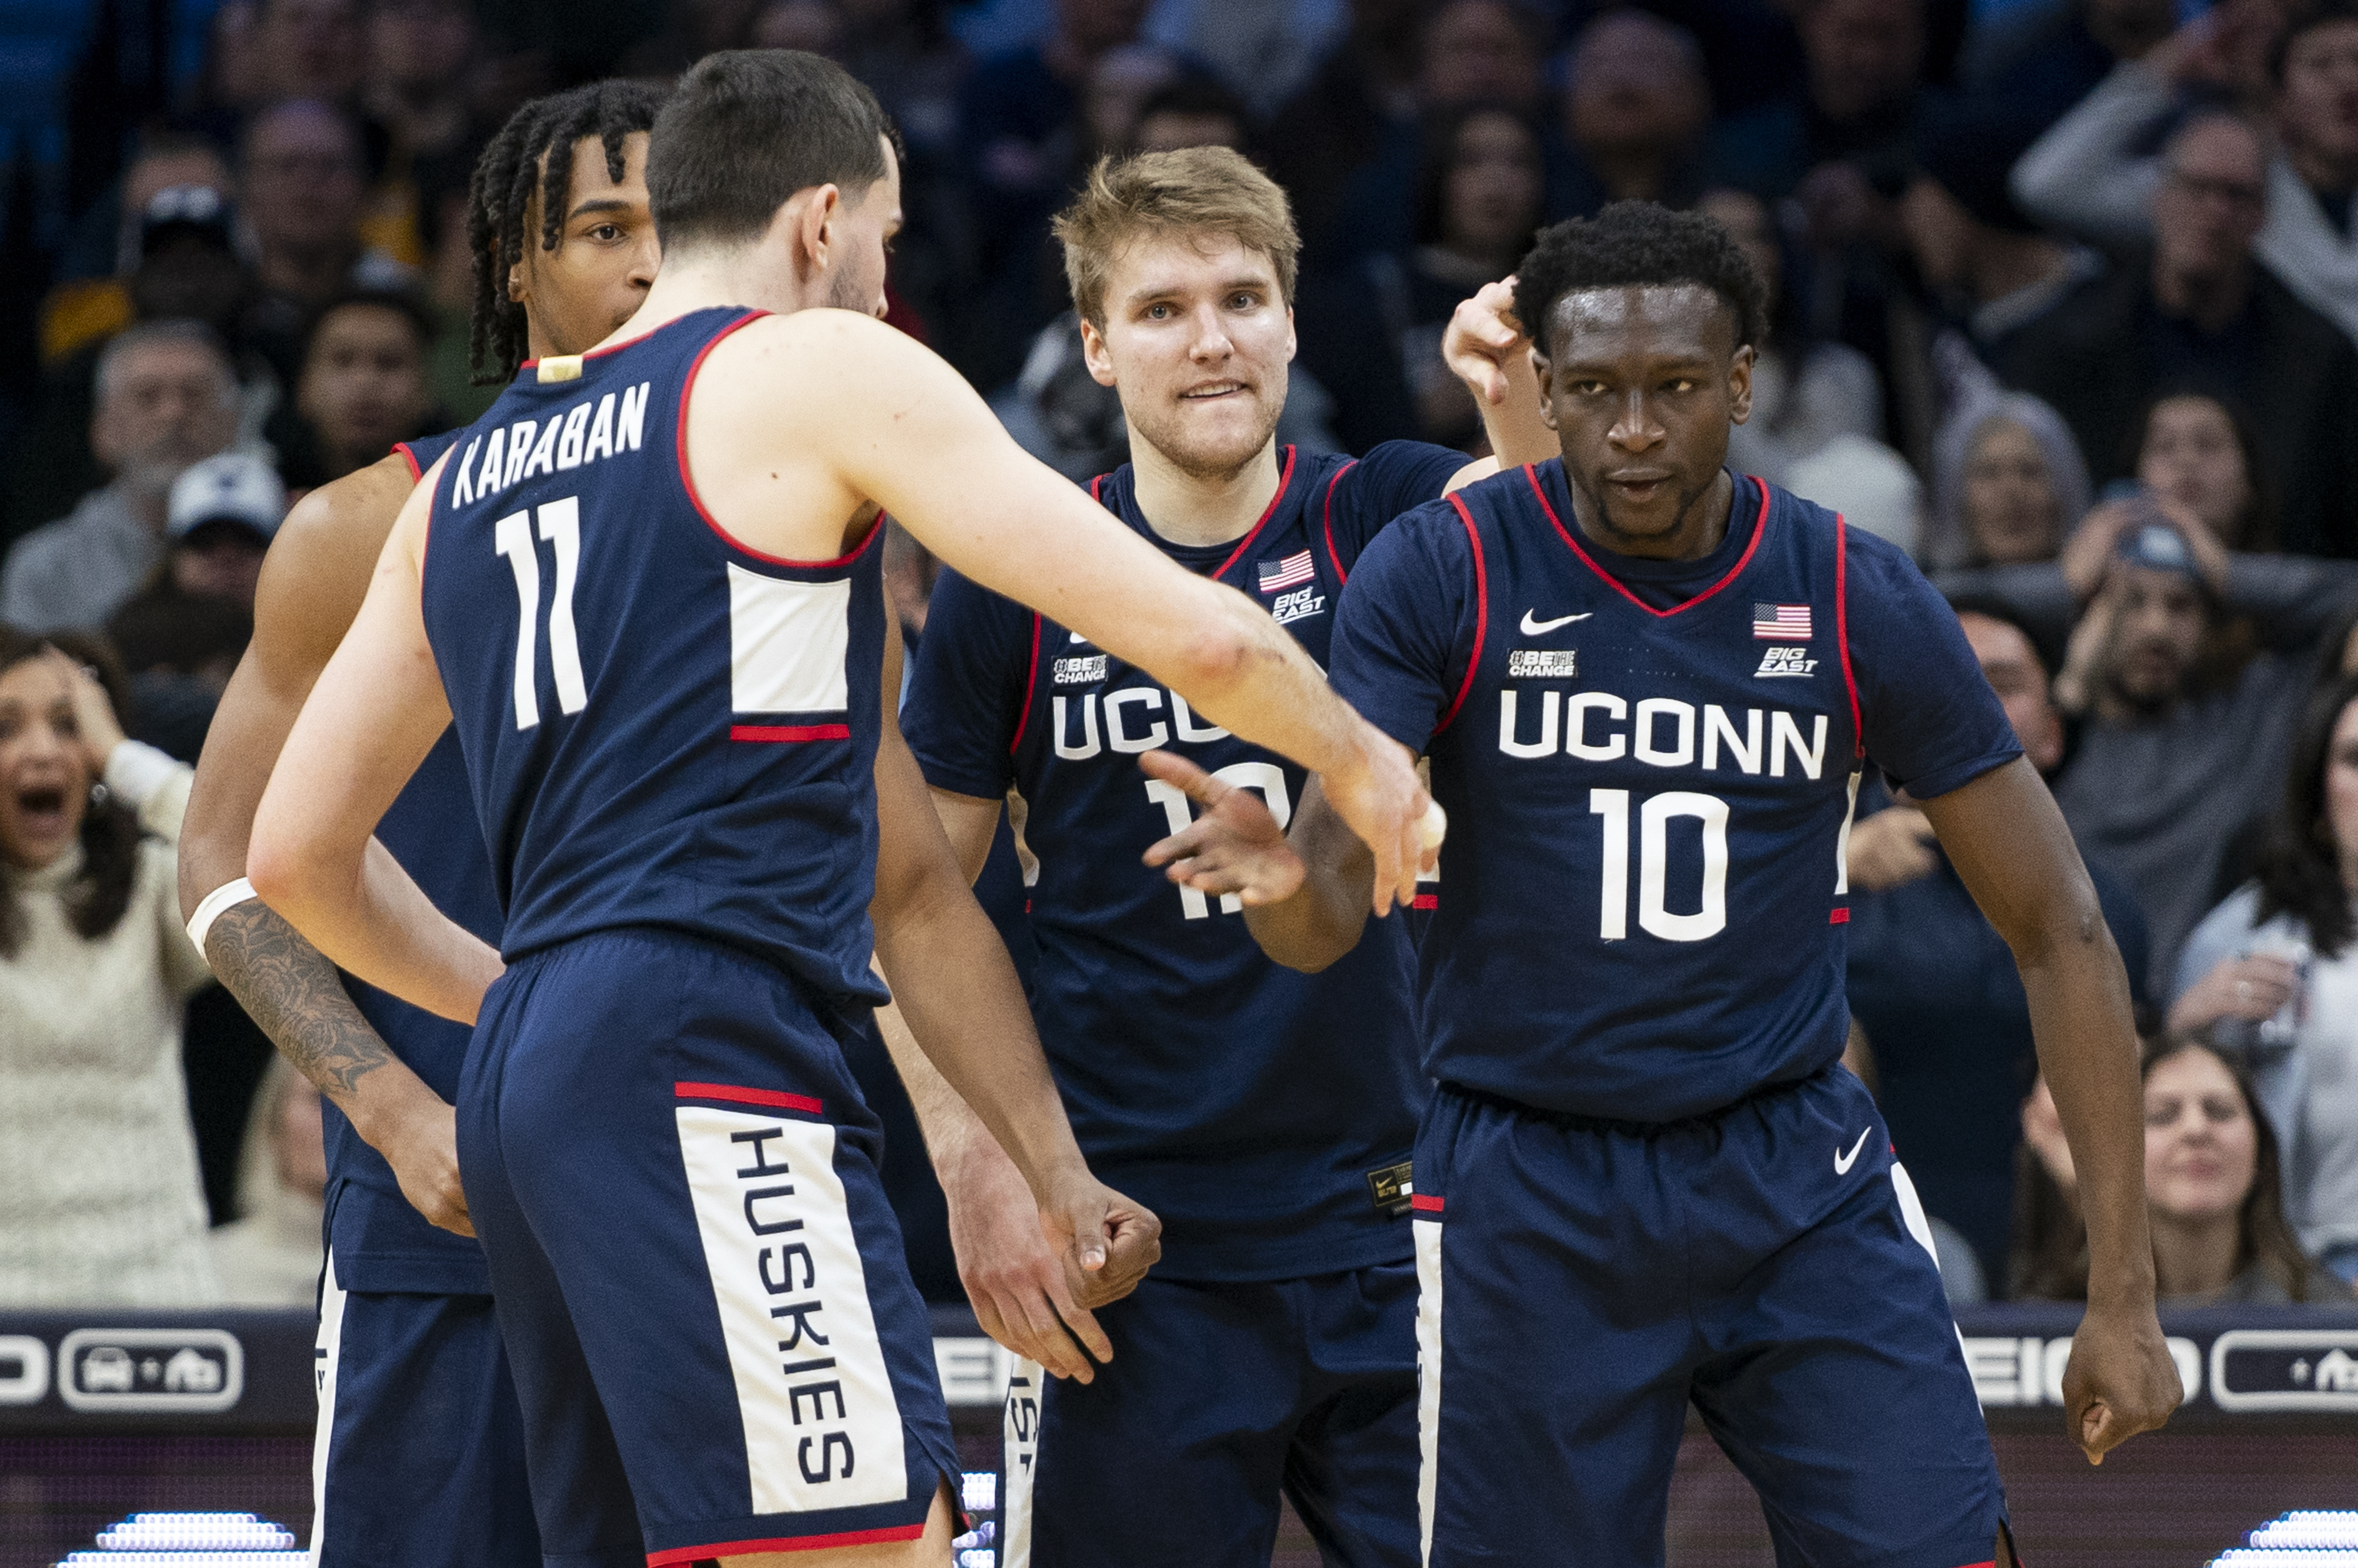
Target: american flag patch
{"type": "Point", "coordinates": [1293, 569]}
{"type": "Point", "coordinates": [1782, 623]}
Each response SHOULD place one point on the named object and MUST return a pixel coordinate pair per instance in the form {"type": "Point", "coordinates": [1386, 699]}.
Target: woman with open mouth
{"type": "Point", "coordinates": [100, 1198]}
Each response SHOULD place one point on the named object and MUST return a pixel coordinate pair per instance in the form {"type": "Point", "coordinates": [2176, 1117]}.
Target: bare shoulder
{"type": "Point", "coordinates": [821, 360]}
{"type": "Point", "coordinates": [318, 568]}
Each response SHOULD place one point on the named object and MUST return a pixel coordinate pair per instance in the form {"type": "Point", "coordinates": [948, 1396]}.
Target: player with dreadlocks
{"type": "Point", "coordinates": [420, 1450]}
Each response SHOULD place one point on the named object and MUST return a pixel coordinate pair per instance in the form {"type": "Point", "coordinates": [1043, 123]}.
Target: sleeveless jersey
{"type": "Point", "coordinates": [381, 1242]}
{"type": "Point", "coordinates": [1252, 1107]}
{"type": "Point", "coordinates": [661, 726]}
{"type": "Point", "coordinates": [1649, 769]}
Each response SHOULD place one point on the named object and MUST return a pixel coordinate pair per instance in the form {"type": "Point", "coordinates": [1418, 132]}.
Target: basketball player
{"type": "Point", "coordinates": [1266, 1117]}
{"type": "Point", "coordinates": [651, 573]}
{"type": "Point", "coordinates": [421, 1446]}
{"type": "Point", "coordinates": [1648, 689]}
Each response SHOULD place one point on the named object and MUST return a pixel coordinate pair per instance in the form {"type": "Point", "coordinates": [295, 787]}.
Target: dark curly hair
{"type": "Point", "coordinates": [2299, 869]}
{"type": "Point", "coordinates": [1640, 242]}
{"type": "Point", "coordinates": [507, 176]}
{"type": "Point", "coordinates": [97, 898]}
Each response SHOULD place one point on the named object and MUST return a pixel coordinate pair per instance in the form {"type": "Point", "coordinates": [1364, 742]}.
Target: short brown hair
{"type": "Point", "coordinates": [1195, 192]}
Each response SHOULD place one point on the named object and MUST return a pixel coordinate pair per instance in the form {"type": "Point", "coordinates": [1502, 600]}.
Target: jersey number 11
{"type": "Point", "coordinates": [560, 524]}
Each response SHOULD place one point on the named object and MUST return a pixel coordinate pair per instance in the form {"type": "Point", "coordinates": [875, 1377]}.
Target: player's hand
{"type": "Point", "coordinates": [1234, 846]}
{"type": "Point", "coordinates": [421, 1144]}
{"type": "Point", "coordinates": [93, 711]}
{"type": "Point", "coordinates": [2251, 987]}
{"type": "Point", "coordinates": [1890, 850]}
{"type": "Point", "coordinates": [1021, 1288]}
{"type": "Point", "coordinates": [1382, 801]}
{"type": "Point", "coordinates": [1106, 1242]}
{"type": "Point", "coordinates": [2121, 1379]}
{"type": "Point", "coordinates": [1484, 339]}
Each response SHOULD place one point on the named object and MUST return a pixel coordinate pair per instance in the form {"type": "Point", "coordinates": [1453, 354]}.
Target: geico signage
{"type": "Point", "coordinates": [2009, 1371]}
{"type": "Point", "coordinates": [193, 1371]}
{"type": "Point", "coordinates": [2250, 1370]}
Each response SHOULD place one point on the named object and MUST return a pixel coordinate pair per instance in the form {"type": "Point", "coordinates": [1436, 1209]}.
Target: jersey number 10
{"type": "Point", "coordinates": [560, 524]}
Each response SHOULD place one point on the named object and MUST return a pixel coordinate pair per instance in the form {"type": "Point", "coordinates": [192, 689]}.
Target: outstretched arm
{"type": "Point", "coordinates": [376, 710]}
{"type": "Point", "coordinates": [312, 585]}
{"type": "Point", "coordinates": [908, 433]}
{"type": "Point", "coordinates": [2009, 842]}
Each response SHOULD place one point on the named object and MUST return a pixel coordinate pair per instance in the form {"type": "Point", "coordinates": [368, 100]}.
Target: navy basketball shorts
{"type": "Point", "coordinates": [1219, 1396]}
{"type": "Point", "coordinates": [418, 1460]}
{"type": "Point", "coordinates": [701, 1286]}
{"type": "Point", "coordinates": [1581, 1281]}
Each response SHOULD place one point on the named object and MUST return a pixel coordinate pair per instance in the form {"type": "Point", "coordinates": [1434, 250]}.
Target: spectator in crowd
{"type": "Point", "coordinates": [1192, 111]}
{"type": "Point", "coordinates": [1990, 269]}
{"type": "Point", "coordinates": [814, 26]}
{"type": "Point", "coordinates": [2214, 1195]}
{"type": "Point", "coordinates": [1471, 52]}
{"type": "Point", "coordinates": [1359, 94]}
{"type": "Point", "coordinates": [1478, 193]}
{"type": "Point", "coordinates": [105, 246]}
{"type": "Point", "coordinates": [2007, 482]}
{"type": "Point", "coordinates": [305, 184]}
{"type": "Point", "coordinates": [165, 398]}
{"type": "Point", "coordinates": [1636, 104]}
{"type": "Point", "coordinates": [2198, 452]}
{"type": "Point", "coordinates": [418, 91]}
{"type": "Point", "coordinates": [2041, 58]}
{"type": "Point", "coordinates": [224, 513]}
{"type": "Point", "coordinates": [2213, 1185]}
{"type": "Point", "coordinates": [1262, 50]}
{"type": "Point", "coordinates": [1852, 122]}
{"type": "Point", "coordinates": [189, 270]}
{"type": "Point", "coordinates": [2202, 316]}
{"type": "Point", "coordinates": [100, 1198]}
{"type": "Point", "coordinates": [270, 1255]}
{"type": "Point", "coordinates": [309, 49]}
{"type": "Point", "coordinates": [363, 384]}
{"type": "Point", "coordinates": [2271, 975]}
{"type": "Point", "coordinates": [1022, 126]}
{"type": "Point", "coordinates": [2184, 724]}
{"type": "Point", "coordinates": [1817, 415]}
{"type": "Point", "coordinates": [2091, 175]}
{"type": "Point", "coordinates": [1934, 988]}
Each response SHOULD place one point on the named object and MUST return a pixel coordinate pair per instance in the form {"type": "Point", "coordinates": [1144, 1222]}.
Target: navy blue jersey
{"type": "Point", "coordinates": [1648, 768]}
{"type": "Point", "coordinates": [1246, 1104]}
{"type": "Point", "coordinates": [661, 726]}
{"type": "Point", "coordinates": [379, 1241]}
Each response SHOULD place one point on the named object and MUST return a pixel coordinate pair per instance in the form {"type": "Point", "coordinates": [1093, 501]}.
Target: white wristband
{"type": "Point", "coordinates": [136, 770]}
{"type": "Point", "coordinates": [228, 896]}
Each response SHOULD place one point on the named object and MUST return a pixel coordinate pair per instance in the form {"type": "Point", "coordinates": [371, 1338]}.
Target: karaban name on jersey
{"type": "Point", "coordinates": [1264, 1115]}
{"type": "Point", "coordinates": [661, 726]}
{"type": "Point", "coordinates": [1649, 769]}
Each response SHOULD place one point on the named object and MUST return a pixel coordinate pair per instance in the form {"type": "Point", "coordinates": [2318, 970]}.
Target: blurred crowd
{"type": "Point", "coordinates": [2066, 303]}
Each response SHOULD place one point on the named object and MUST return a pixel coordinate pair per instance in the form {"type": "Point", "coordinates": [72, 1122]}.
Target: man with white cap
{"type": "Point", "coordinates": [224, 513]}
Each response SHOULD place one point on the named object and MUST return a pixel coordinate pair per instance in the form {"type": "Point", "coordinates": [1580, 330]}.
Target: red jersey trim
{"type": "Point", "coordinates": [1031, 676]}
{"type": "Point", "coordinates": [410, 458]}
{"type": "Point", "coordinates": [687, 479]}
{"type": "Point", "coordinates": [1838, 917]}
{"type": "Point", "coordinates": [1481, 614]}
{"type": "Point", "coordinates": [1425, 1203]}
{"type": "Point", "coordinates": [1759, 527]}
{"type": "Point", "coordinates": [1425, 900]}
{"type": "Point", "coordinates": [790, 733]}
{"type": "Point", "coordinates": [785, 1543]}
{"type": "Point", "coordinates": [1842, 629]}
{"type": "Point", "coordinates": [1328, 517]}
{"type": "Point", "coordinates": [1284, 478]}
{"type": "Point", "coordinates": [740, 1095]}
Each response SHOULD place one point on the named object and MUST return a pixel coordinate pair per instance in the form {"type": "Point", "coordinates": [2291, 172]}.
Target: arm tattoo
{"type": "Point", "coordinates": [294, 994]}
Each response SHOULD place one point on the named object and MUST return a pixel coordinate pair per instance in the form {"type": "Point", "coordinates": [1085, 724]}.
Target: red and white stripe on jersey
{"type": "Point", "coordinates": [1291, 573]}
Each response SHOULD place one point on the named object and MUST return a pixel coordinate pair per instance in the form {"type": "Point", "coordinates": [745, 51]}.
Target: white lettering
{"type": "Point", "coordinates": [543, 452]}
{"type": "Point", "coordinates": [1551, 711]}
{"type": "Point", "coordinates": [519, 448]}
{"type": "Point", "coordinates": [488, 479]}
{"type": "Point", "coordinates": [1088, 746]}
{"type": "Point", "coordinates": [1746, 749]}
{"type": "Point", "coordinates": [569, 445]}
{"type": "Point", "coordinates": [462, 489]}
{"type": "Point", "coordinates": [1183, 720]}
{"type": "Point", "coordinates": [1653, 859]}
{"type": "Point", "coordinates": [1121, 740]}
{"type": "Point", "coordinates": [1576, 741]}
{"type": "Point", "coordinates": [1655, 708]}
{"type": "Point", "coordinates": [602, 431]}
{"type": "Point", "coordinates": [1783, 731]}
{"type": "Point", "coordinates": [631, 417]}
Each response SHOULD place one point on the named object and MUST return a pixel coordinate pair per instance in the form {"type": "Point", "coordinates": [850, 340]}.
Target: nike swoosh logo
{"type": "Point", "coordinates": [1843, 1163]}
{"type": "Point", "coordinates": [1533, 628]}
{"type": "Point", "coordinates": [1079, 640]}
